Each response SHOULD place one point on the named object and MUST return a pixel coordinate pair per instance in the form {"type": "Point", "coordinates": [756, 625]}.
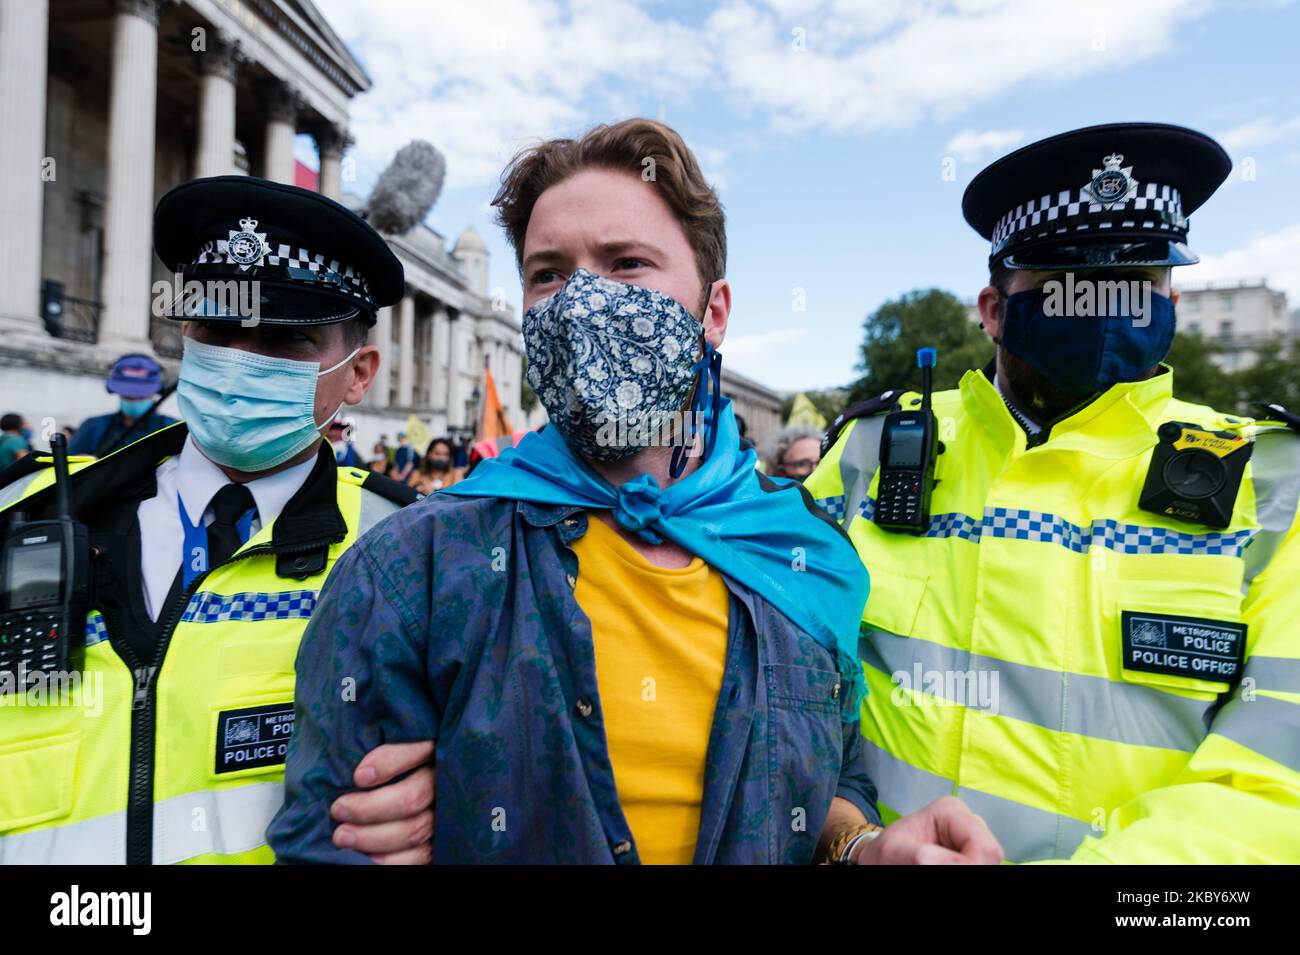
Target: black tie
{"type": "Point", "coordinates": [228, 506]}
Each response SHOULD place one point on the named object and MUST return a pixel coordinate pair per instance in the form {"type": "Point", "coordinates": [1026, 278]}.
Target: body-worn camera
{"type": "Point", "coordinates": [1195, 474]}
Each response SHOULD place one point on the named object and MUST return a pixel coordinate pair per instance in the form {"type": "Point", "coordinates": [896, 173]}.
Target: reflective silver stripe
{"type": "Point", "coordinates": [1281, 674]}
{"type": "Point", "coordinates": [97, 841]}
{"type": "Point", "coordinates": [899, 785]}
{"type": "Point", "coordinates": [374, 508]}
{"type": "Point", "coordinates": [1269, 726]}
{"type": "Point", "coordinates": [221, 821]}
{"type": "Point", "coordinates": [1092, 706]}
{"type": "Point", "coordinates": [858, 465]}
{"type": "Point", "coordinates": [1027, 834]}
{"type": "Point", "coordinates": [1275, 464]}
{"type": "Point", "coordinates": [13, 492]}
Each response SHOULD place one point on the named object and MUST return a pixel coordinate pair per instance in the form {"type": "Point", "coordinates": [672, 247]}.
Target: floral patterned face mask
{"type": "Point", "coordinates": [613, 364]}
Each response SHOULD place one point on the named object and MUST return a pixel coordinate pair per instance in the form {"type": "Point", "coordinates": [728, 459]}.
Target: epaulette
{"type": "Point", "coordinates": [884, 401]}
{"type": "Point", "coordinates": [395, 491]}
{"type": "Point", "coordinates": [1278, 412]}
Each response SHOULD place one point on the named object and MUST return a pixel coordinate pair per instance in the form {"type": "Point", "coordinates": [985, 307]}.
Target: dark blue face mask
{"type": "Point", "coordinates": [1081, 355]}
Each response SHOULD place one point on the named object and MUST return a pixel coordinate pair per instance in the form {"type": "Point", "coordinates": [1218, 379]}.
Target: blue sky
{"type": "Point", "coordinates": [825, 125]}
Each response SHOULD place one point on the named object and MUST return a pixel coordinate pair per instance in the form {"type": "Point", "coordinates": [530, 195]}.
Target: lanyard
{"type": "Point", "coordinates": [194, 555]}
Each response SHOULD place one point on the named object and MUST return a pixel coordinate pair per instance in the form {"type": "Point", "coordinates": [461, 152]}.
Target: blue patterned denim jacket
{"type": "Point", "coordinates": [454, 619]}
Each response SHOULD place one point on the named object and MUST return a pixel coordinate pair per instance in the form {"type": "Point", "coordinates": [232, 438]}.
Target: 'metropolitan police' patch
{"type": "Point", "coordinates": [1191, 647]}
{"type": "Point", "coordinates": [252, 737]}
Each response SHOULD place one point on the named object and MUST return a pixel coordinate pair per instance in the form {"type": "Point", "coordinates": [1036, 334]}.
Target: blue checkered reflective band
{"type": "Point", "coordinates": [834, 506]}
{"type": "Point", "coordinates": [207, 607]}
{"type": "Point", "coordinates": [1020, 524]}
{"type": "Point", "coordinates": [96, 632]}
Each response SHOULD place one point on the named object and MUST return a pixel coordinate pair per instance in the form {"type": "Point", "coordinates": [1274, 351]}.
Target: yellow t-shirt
{"type": "Point", "coordinates": [660, 636]}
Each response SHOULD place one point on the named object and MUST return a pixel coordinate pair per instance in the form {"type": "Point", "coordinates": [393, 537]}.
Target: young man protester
{"type": "Point", "coordinates": [624, 652]}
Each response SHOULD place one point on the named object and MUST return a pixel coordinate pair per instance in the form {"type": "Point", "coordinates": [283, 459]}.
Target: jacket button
{"type": "Point", "coordinates": [584, 707]}
{"type": "Point", "coordinates": [570, 522]}
{"type": "Point", "coordinates": [622, 848]}
{"type": "Point", "coordinates": [573, 581]}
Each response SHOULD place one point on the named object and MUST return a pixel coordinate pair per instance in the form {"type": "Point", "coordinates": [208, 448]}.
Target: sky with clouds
{"type": "Point", "coordinates": [840, 134]}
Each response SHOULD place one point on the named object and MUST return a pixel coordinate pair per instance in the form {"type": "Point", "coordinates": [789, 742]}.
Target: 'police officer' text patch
{"type": "Point", "coordinates": [252, 737]}
{"type": "Point", "coordinates": [1189, 647]}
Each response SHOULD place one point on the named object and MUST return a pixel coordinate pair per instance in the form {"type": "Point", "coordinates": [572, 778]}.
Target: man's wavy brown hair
{"type": "Point", "coordinates": [624, 146]}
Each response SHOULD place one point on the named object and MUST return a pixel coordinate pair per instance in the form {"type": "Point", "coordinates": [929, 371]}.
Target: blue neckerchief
{"type": "Point", "coordinates": [760, 531]}
{"type": "Point", "coordinates": [194, 560]}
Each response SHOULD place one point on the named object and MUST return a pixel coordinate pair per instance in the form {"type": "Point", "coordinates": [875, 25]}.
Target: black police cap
{"type": "Point", "coordinates": [1104, 196]}
{"type": "Point", "coordinates": [315, 261]}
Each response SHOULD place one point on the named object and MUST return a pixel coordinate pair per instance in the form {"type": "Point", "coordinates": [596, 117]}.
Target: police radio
{"type": "Point", "coordinates": [909, 444]}
{"type": "Point", "coordinates": [44, 585]}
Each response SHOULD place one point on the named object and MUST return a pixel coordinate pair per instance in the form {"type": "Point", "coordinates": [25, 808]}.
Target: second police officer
{"type": "Point", "coordinates": [1094, 642]}
{"type": "Point", "coordinates": [210, 540]}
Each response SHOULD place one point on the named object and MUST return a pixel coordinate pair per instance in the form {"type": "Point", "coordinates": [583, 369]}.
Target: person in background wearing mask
{"type": "Point", "coordinates": [1115, 569]}
{"type": "Point", "coordinates": [435, 471]}
{"type": "Point", "coordinates": [793, 452]}
{"type": "Point", "coordinates": [340, 438]}
{"type": "Point", "coordinates": [404, 458]}
{"type": "Point", "coordinates": [602, 627]}
{"type": "Point", "coordinates": [12, 443]}
{"type": "Point", "coordinates": [137, 380]}
{"type": "Point", "coordinates": [213, 537]}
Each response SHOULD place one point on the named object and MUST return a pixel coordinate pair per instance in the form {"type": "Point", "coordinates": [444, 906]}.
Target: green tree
{"type": "Point", "coordinates": [1196, 377]}
{"type": "Point", "coordinates": [1275, 376]}
{"type": "Point", "coordinates": [925, 317]}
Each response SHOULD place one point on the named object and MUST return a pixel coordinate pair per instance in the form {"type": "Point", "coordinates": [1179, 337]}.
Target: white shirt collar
{"type": "Point", "coordinates": [198, 479]}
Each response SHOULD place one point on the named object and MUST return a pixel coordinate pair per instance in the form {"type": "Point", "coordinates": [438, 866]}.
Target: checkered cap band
{"type": "Point", "coordinates": [343, 276]}
{"type": "Point", "coordinates": [1070, 212]}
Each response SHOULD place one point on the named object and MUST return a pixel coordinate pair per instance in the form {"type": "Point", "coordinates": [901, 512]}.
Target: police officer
{"type": "Point", "coordinates": [1093, 643]}
{"type": "Point", "coordinates": [137, 380]}
{"type": "Point", "coordinates": [210, 539]}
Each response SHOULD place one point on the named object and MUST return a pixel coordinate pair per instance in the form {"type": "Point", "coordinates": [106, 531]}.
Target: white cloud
{"type": "Point", "coordinates": [753, 349]}
{"type": "Point", "coordinates": [1273, 256]}
{"type": "Point", "coordinates": [969, 145]}
{"type": "Point", "coordinates": [480, 79]}
{"type": "Point", "coordinates": [1258, 132]}
{"type": "Point", "coordinates": [898, 64]}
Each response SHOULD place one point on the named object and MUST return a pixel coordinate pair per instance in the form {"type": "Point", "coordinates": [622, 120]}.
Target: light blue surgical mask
{"type": "Point", "coordinates": [247, 411]}
{"type": "Point", "coordinates": [135, 407]}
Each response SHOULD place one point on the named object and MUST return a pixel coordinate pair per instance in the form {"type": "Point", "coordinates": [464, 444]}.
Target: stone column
{"type": "Point", "coordinates": [23, 28]}
{"type": "Point", "coordinates": [381, 336]}
{"type": "Point", "coordinates": [282, 106]}
{"type": "Point", "coordinates": [438, 386]}
{"type": "Point", "coordinates": [128, 213]}
{"type": "Point", "coordinates": [331, 143]}
{"type": "Point", "coordinates": [455, 407]}
{"type": "Point", "coordinates": [217, 65]}
{"type": "Point", "coordinates": [406, 339]}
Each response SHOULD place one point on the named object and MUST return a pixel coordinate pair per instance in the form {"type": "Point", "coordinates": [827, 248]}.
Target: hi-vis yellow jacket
{"type": "Point", "coordinates": [179, 758]}
{"type": "Point", "coordinates": [993, 643]}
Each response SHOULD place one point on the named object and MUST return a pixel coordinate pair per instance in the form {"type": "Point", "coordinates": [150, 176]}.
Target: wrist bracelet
{"type": "Point", "coordinates": [837, 853]}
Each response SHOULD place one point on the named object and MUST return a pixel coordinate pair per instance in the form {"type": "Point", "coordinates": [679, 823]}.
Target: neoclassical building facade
{"type": "Point", "coordinates": [107, 104]}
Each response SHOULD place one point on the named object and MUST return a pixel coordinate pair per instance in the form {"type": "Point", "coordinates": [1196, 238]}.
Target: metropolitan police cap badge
{"type": "Point", "coordinates": [1111, 185]}
{"type": "Point", "coordinates": [246, 247]}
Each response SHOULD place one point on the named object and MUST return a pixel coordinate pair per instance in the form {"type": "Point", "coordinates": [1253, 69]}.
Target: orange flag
{"type": "Point", "coordinates": [494, 423]}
